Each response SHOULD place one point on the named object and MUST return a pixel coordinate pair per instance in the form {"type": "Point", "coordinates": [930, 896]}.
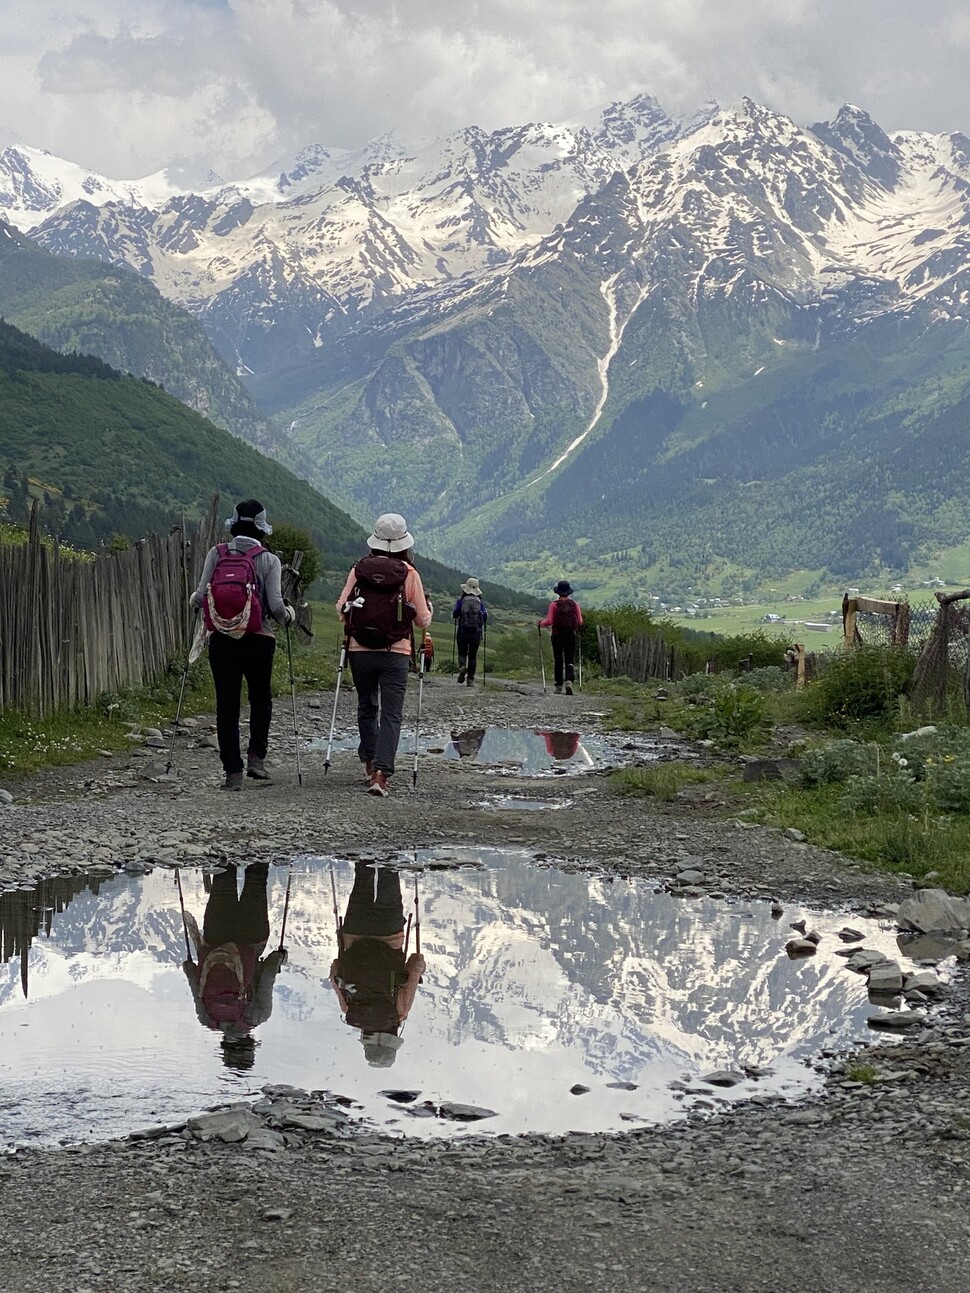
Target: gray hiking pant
{"type": "Point", "coordinates": [381, 679]}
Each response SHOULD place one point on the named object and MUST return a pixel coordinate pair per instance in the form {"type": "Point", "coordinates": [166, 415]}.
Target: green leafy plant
{"type": "Point", "coordinates": [865, 683]}
{"type": "Point", "coordinates": [834, 764]}
{"type": "Point", "coordinates": [736, 715]}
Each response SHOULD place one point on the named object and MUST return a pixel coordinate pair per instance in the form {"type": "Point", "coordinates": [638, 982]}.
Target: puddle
{"type": "Point", "coordinates": [523, 804]}
{"type": "Point", "coordinates": [537, 981]}
{"type": "Point", "coordinates": [526, 751]}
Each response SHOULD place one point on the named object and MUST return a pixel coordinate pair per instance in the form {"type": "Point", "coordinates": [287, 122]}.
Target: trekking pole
{"type": "Point", "coordinates": [484, 651]}
{"type": "Point", "coordinates": [286, 905]}
{"type": "Point", "coordinates": [336, 697]}
{"type": "Point", "coordinates": [417, 919]}
{"type": "Point", "coordinates": [417, 724]}
{"type": "Point", "coordinates": [178, 711]}
{"type": "Point", "coordinates": [542, 663]}
{"type": "Point", "coordinates": [296, 732]}
{"type": "Point", "coordinates": [185, 928]}
{"type": "Point", "coordinates": [580, 645]}
{"type": "Point", "coordinates": [338, 922]}
{"type": "Point", "coordinates": [454, 643]}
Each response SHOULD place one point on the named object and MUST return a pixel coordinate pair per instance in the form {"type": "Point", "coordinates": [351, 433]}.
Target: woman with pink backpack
{"type": "Point", "coordinates": [564, 618]}
{"type": "Point", "coordinates": [238, 592]}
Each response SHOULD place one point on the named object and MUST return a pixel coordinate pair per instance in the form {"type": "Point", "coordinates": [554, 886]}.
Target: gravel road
{"type": "Point", "coordinates": [867, 1186]}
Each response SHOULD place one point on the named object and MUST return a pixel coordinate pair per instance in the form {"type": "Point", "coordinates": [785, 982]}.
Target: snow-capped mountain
{"type": "Point", "coordinates": [331, 235]}
{"type": "Point", "coordinates": [731, 302]}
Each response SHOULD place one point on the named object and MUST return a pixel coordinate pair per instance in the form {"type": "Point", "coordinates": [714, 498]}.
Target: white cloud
{"type": "Point", "coordinates": [128, 85]}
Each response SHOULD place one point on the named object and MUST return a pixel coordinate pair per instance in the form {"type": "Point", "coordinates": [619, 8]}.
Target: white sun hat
{"type": "Point", "coordinates": [391, 534]}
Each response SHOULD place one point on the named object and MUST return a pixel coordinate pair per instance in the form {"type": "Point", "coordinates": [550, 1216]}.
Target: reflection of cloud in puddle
{"type": "Point", "coordinates": [536, 980]}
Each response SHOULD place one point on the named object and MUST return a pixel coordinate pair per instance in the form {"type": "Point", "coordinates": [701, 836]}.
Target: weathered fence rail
{"type": "Point", "coordinates": [639, 658]}
{"type": "Point", "coordinates": [71, 630]}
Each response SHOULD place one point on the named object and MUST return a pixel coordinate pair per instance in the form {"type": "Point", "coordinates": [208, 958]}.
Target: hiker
{"type": "Point", "coordinates": [467, 744]}
{"type": "Point", "coordinates": [565, 618]}
{"type": "Point", "coordinates": [238, 592]}
{"type": "Point", "coordinates": [374, 983]}
{"type": "Point", "coordinates": [231, 980]}
{"type": "Point", "coordinates": [382, 600]}
{"type": "Point", "coordinates": [427, 652]}
{"type": "Point", "coordinates": [470, 615]}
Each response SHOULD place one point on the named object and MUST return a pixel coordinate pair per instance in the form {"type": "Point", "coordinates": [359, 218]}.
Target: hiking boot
{"type": "Point", "coordinates": [378, 784]}
{"type": "Point", "coordinates": [569, 689]}
{"type": "Point", "coordinates": [256, 768]}
{"type": "Point", "coordinates": [461, 676]}
{"type": "Point", "coordinates": [233, 781]}
{"type": "Point", "coordinates": [469, 681]}
{"type": "Point", "coordinates": [558, 689]}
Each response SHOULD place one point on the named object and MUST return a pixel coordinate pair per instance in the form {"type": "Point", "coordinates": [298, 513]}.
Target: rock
{"type": "Point", "coordinates": [229, 1125]}
{"type": "Point", "coordinates": [896, 1020]}
{"type": "Point", "coordinates": [933, 911]}
{"type": "Point", "coordinates": [920, 731]}
{"type": "Point", "coordinates": [6, 797]}
{"type": "Point", "coordinates": [799, 925]}
{"type": "Point", "coordinates": [459, 1112]}
{"type": "Point", "coordinates": [578, 1089]}
{"type": "Point", "coordinates": [156, 742]}
{"type": "Point", "coordinates": [863, 959]}
{"type": "Point", "coordinates": [885, 979]}
{"type": "Point", "coordinates": [668, 734]}
{"type": "Point", "coordinates": [689, 877]}
{"type": "Point", "coordinates": [796, 947]}
{"type": "Point", "coordinates": [770, 770]}
{"type": "Point", "coordinates": [400, 1097]}
{"type": "Point", "coordinates": [276, 1214]}
{"type": "Point", "coordinates": [790, 833]}
{"type": "Point", "coordinates": [777, 910]}
{"type": "Point", "coordinates": [722, 1077]}
{"type": "Point", "coordinates": [924, 981]}
{"type": "Point", "coordinates": [813, 936]}
{"type": "Point", "coordinates": [152, 731]}
{"type": "Point", "coordinates": [310, 1121]}
{"type": "Point", "coordinates": [622, 1086]}
{"type": "Point", "coordinates": [265, 1139]}
{"type": "Point", "coordinates": [850, 935]}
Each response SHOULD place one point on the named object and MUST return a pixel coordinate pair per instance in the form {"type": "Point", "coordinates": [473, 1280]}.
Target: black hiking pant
{"type": "Point", "coordinates": [381, 679]}
{"type": "Point", "coordinates": [563, 655]}
{"type": "Point", "coordinates": [231, 660]}
{"type": "Point", "coordinates": [375, 917]}
{"type": "Point", "coordinates": [242, 919]}
{"type": "Point", "coordinates": [468, 644]}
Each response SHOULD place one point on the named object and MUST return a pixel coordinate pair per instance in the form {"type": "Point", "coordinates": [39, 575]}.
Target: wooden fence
{"type": "Point", "coordinates": [71, 630]}
{"type": "Point", "coordinates": [639, 658]}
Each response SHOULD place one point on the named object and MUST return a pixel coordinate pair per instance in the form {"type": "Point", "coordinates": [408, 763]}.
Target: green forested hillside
{"type": "Point", "coordinates": [95, 309]}
{"type": "Point", "coordinates": [116, 454]}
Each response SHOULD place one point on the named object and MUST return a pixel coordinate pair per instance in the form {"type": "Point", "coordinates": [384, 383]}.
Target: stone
{"type": "Point", "coordinates": [622, 1086]}
{"type": "Point", "coordinates": [400, 1097]}
{"type": "Point", "coordinates": [276, 1214]}
{"type": "Point", "coordinates": [796, 947]}
{"type": "Point", "coordinates": [722, 1077]}
{"type": "Point", "coordinates": [578, 1089]}
{"type": "Point", "coordinates": [920, 731]}
{"type": "Point", "coordinates": [689, 877]}
{"type": "Point", "coordinates": [896, 1020]}
{"type": "Point", "coordinates": [460, 1112]}
{"type": "Point", "coordinates": [228, 1125]}
{"type": "Point", "coordinates": [924, 981]}
{"type": "Point", "coordinates": [156, 742]}
{"type": "Point", "coordinates": [797, 836]}
{"type": "Point", "coordinates": [885, 979]}
{"type": "Point", "coordinates": [770, 770]}
{"type": "Point", "coordinates": [933, 911]}
{"type": "Point", "coordinates": [309, 1121]}
{"type": "Point", "coordinates": [6, 797]}
{"type": "Point", "coordinates": [863, 959]}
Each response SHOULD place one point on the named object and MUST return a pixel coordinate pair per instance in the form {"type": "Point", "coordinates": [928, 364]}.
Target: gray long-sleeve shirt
{"type": "Point", "coordinates": [268, 570]}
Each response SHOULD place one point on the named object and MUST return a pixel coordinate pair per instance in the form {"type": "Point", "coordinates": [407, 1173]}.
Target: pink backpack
{"type": "Point", "coordinates": [232, 599]}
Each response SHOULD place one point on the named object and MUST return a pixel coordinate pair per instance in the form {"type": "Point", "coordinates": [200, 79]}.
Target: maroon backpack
{"type": "Point", "coordinates": [565, 616]}
{"type": "Point", "coordinates": [379, 616]}
{"type": "Point", "coordinates": [233, 604]}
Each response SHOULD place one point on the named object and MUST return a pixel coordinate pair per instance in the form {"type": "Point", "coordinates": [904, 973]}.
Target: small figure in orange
{"type": "Point", "coordinates": [427, 651]}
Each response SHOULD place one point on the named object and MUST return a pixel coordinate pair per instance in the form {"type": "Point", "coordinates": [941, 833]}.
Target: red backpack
{"type": "Point", "coordinates": [565, 616]}
{"type": "Point", "coordinates": [233, 604]}
{"type": "Point", "coordinates": [379, 616]}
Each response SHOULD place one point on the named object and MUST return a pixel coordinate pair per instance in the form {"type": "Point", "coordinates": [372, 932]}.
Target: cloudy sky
{"type": "Point", "coordinates": [127, 86]}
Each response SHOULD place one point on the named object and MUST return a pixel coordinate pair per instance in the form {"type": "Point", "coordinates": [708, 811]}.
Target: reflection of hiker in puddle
{"type": "Point", "coordinates": [231, 980]}
{"type": "Point", "coordinates": [374, 978]}
{"type": "Point", "coordinates": [560, 745]}
{"type": "Point", "coordinates": [468, 743]}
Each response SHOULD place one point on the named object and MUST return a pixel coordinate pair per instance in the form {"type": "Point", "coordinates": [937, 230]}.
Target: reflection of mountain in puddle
{"type": "Point", "coordinates": [536, 980]}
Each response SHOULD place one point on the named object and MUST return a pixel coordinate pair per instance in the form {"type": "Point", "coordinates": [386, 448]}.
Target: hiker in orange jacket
{"type": "Point", "coordinates": [565, 618]}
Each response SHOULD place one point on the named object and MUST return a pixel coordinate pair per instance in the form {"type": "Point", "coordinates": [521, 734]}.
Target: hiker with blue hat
{"type": "Point", "coordinates": [238, 593]}
{"type": "Point", "coordinates": [470, 615]}
{"type": "Point", "coordinates": [564, 619]}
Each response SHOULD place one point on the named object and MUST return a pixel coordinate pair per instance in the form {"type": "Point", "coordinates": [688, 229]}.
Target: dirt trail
{"type": "Point", "coordinates": [868, 1186]}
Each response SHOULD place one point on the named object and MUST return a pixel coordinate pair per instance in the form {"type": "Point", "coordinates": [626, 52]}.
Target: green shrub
{"type": "Point", "coordinates": [738, 713]}
{"type": "Point", "coordinates": [894, 790]}
{"type": "Point", "coordinates": [770, 677]}
{"type": "Point", "coordinates": [833, 764]}
{"type": "Point", "coordinates": [865, 683]}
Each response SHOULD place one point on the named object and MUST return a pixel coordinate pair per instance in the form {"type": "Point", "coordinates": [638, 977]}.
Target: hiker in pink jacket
{"type": "Point", "coordinates": [565, 618]}
{"type": "Point", "coordinates": [375, 983]}
{"type": "Point", "coordinates": [381, 603]}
